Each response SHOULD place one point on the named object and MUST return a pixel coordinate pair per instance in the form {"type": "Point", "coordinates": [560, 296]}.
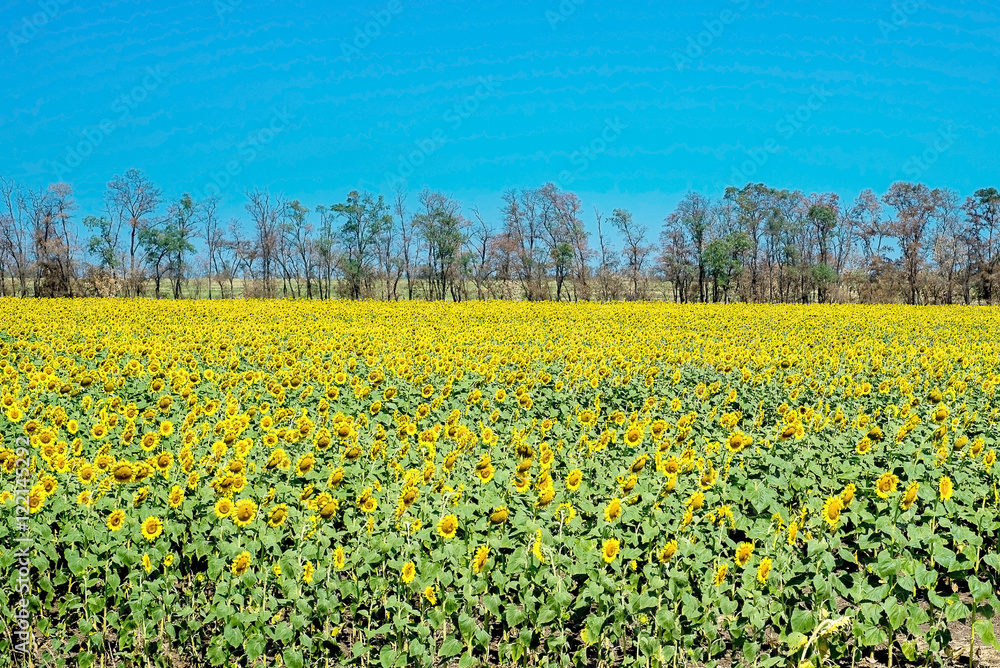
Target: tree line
{"type": "Point", "coordinates": [913, 244]}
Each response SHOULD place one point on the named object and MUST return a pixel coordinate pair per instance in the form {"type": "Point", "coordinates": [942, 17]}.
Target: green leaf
{"type": "Point", "coordinates": [895, 612]}
{"type": "Point", "coordinates": [980, 590]}
{"type": "Point", "coordinates": [293, 658]}
{"type": "Point", "coordinates": [547, 614]}
{"type": "Point", "coordinates": [451, 647]}
{"type": "Point", "coordinates": [984, 629]}
{"type": "Point", "coordinates": [233, 636]}
{"type": "Point", "coordinates": [803, 621]}
{"type": "Point", "coordinates": [255, 647]}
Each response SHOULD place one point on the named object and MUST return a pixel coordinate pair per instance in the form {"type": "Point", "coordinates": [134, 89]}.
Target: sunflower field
{"type": "Point", "coordinates": [483, 484]}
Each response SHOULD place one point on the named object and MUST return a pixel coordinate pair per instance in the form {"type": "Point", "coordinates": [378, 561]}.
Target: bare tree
{"type": "Point", "coordinates": [915, 205]}
{"type": "Point", "coordinates": [131, 200]}
{"type": "Point", "coordinates": [636, 250]}
{"type": "Point", "coordinates": [267, 212]}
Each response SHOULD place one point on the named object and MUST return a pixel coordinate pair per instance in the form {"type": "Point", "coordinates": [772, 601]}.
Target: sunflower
{"type": "Point", "coordinates": [499, 515]}
{"type": "Point", "coordinates": [123, 472]}
{"type": "Point", "coordinates": [945, 488]}
{"type": "Point", "coordinates": [244, 512]}
{"type": "Point", "coordinates": [696, 501]}
{"type": "Point", "coordinates": [223, 508]}
{"type": "Point", "coordinates": [307, 572]}
{"type": "Point", "coordinates": [565, 513]}
{"type": "Point", "coordinates": [176, 497]}
{"type": "Point", "coordinates": [708, 477]}
{"type": "Point", "coordinates": [831, 510]}
{"type": "Point", "coordinates": [339, 558]}
{"type": "Point", "coordinates": [910, 495]}
{"type": "Point", "coordinates": [610, 550]}
{"type": "Point", "coordinates": [763, 570]}
{"type": "Point", "coordinates": [743, 553]}
{"type": "Point", "coordinates": [151, 528]}
{"type": "Point", "coordinates": [574, 479]}
{"type": "Point", "coordinates": [430, 595]}
{"type": "Point", "coordinates": [448, 526]}
{"type": "Point", "coordinates": [613, 510]}
{"type": "Point", "coordinates": [668, 551]}
{"type": "Point", "coordinates": [241, 564]}
{"type": "Point", "coordinates": [166, 428]}
{"type": "Point", "coordinates": [278, 515]}
{"type": "Point", "coordinates": [633, 436]}
{"type": "Point", "coordinates": [545, 496]}
{"type": "Point", "coordinates": [408, 572]}
{"type": "Point", "coordinates": [536, 547]}
{"type": "Point", "coordinates": [848, 495]}
{"type": "Point", "coordinates": [479, 561]}
{"type": "Point", "coordinates": [305, 464]}
{"type": "Point", "coordinates": [36, 499]}
{"type": "Point", "coordinates": [720, 575]}
{"type": "Point", "coordinates": [793, 531]}
{"type": "Point", "coordinates": [886, 485]}
{"type": "Point", "coordinates": [147, 565]}
{"type": "Point", "coordinates": [485, 473]}
{"type": "Point", "coordinates": [864, 445]}
{"type": "Point", "coordinates": [116, 520]}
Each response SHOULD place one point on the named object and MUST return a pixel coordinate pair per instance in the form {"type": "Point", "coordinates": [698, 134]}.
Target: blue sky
{"type": "Point", "coordinates": [627, 104]}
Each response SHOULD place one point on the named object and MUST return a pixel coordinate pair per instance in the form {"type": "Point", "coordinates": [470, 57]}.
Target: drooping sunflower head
{"type": "Point", "coordinates": [278, 515]}
{"type": "Point", "coordinates": [610, 550]}
{"type": "Point", "coordinates": [764, 570]}
{"type": "Point", "coordinates": [910, 495]}
{"type": "Point", "coordinates": [945, 488]}
{"type": "Point", "coordinates": [831, 510]}
{"type": "Point", "coordinates": [123, 472]}
{"type": "Point", "coordinates": [848, 494]}
{"type": "Point", "coordinates": [241, 564]}
{"type": "Point", "coordinates": [339, 558]}
{"type": "Point", "coordinates": [499, 515]}
{"type": "Point", "coordinates": [176, 497]}
{"type": "Point", "coordinates": [720, 575]}
{"type": "Point", "coordinates": [668, 551]}
{"type": "Point", "coordinates": [479, 561]}
{"type": "Point", "coordinates": [613, 510]}
{"type": "Point", "coordinates": [743, 553]}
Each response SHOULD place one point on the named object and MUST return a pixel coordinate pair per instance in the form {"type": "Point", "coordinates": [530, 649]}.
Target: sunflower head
{"type": "Point", "coordinates": [610, 550]}
{"type": "Point", "coordinates": [152, 527]}
{"type": "Point", "coordinates": [241, 564]}
{"type": "Point", "coordinates": [448, 526]}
